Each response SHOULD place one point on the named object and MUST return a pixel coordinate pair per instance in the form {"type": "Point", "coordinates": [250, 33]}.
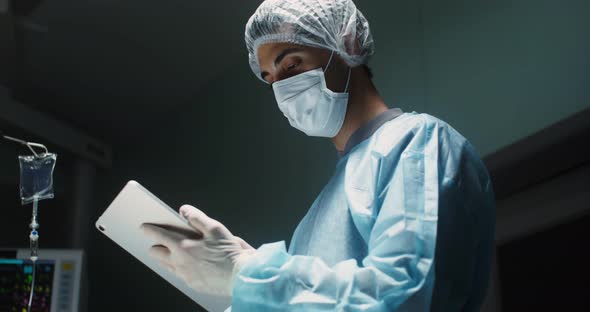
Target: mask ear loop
{"type": "Point", "coordinates": [348, 79]}
{"type": "Point", "coordinates": [349, 72]}
{"type": "Point", "coordinates": [329, 61]}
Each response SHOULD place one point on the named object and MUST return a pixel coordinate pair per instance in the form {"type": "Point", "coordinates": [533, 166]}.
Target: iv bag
{"type": "Point", "coordinates": [36, 177]}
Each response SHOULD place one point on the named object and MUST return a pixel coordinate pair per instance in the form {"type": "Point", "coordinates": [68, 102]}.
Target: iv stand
{"type": "Point", "coordinates": [34, 236]}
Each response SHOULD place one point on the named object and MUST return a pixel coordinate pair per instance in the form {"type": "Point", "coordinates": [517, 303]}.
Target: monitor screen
{"type": "Point", "coordinates": [16, 276]}
{"type": "Point", "coordinates": [57, 280]}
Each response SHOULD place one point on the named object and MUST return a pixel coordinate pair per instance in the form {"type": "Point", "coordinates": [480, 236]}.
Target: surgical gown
{"type": "Point", "coordinates": [406, 223]}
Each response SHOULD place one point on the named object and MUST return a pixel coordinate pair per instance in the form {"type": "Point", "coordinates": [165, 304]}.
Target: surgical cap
{"type": "Point", "coordinates": [335, 25]}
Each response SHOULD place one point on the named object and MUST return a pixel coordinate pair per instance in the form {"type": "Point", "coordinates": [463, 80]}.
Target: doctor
{"type": "Point", "coordinates": [406, 223]}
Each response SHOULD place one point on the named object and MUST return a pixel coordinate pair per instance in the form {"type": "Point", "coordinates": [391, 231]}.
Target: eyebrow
{"type": "Point", "coordinates": [280, 58]}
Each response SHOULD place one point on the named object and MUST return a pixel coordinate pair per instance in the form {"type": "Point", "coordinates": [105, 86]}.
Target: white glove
{"type": "Point", "coordinates": [207, 260]}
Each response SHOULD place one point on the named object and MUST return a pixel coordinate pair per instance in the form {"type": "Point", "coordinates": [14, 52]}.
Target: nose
{"type": "Point", "coordinates": [270, 78]}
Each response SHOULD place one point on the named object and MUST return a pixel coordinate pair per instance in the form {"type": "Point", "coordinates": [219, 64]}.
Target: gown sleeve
{"type": "Point", "coordinates": [396, 212]}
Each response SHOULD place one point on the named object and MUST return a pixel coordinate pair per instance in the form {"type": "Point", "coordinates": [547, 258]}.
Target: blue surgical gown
{"type": "Point", "coordinates": [406, 223]}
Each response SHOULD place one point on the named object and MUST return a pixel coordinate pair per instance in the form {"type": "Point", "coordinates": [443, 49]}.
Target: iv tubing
{"type": "Point", "coordinates": [32, 288]}
{"type": "Point", "coordinates": [34, 251]}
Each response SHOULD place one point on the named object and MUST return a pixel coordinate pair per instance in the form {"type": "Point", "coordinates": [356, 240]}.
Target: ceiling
{"type": "Point", "coordinates": [111, 67]}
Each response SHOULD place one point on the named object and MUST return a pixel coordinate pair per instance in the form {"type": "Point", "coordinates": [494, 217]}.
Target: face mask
{"type": "Point", "coordinates": [309, 105]}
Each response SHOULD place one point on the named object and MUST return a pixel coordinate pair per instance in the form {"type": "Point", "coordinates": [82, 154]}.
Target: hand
{"type": "Point", "coordinates": [208, 260]}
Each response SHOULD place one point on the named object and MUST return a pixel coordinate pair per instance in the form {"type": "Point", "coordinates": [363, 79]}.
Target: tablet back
{"type": "Point", "coordinates": [121, 221]}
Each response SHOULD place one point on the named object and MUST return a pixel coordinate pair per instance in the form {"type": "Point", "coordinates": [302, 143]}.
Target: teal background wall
{"type": "Point", "coordinates": [495, 70]}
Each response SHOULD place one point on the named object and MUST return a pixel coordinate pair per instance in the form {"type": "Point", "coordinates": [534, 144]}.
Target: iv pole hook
{"type": "Point", "coordinates": [30, 145]}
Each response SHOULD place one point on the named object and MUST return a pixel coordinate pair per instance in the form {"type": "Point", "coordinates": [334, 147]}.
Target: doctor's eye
{"type": "Point", "coordinates": [292, 66]}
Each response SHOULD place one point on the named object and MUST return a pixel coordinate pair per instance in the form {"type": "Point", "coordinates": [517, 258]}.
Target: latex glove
{"type": "Point", "coordinates": [207, 260]}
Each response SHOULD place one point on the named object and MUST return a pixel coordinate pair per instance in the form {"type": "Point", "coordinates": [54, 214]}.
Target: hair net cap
{"type": "Point", "coordinates": [335, 25]}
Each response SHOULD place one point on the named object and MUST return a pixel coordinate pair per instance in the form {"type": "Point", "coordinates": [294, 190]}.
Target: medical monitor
{"type": "Point", "coordinates": [57, 280]}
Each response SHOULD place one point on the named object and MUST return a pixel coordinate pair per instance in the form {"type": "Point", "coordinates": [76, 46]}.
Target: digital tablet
{"type": "Point", "coordinates": [121, 222]}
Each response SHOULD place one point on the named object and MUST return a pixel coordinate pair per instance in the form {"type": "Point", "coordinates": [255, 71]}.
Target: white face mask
{"type": "Point", "coordinates": [309, 105]}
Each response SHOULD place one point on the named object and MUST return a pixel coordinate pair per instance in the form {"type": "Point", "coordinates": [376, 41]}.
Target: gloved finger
{"type": "Point", "coordinates": [202, 223]}
{"type": "Point", "coordinates": [243, 243]}
{"type": "Point", "coordinates": [160, 253]}
{"type": "Point", "coordinates": [160, 235]}
{"type": "Point", "coordinates": [195, 217]}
